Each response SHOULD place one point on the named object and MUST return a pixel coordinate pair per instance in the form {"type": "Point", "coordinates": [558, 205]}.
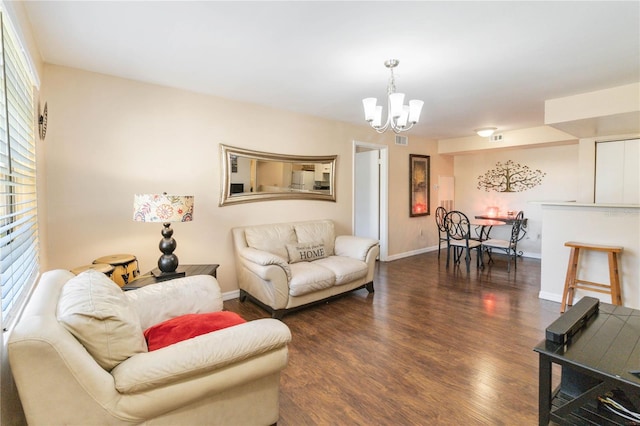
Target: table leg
{"type": "Point", "coordinates": [544, 390]}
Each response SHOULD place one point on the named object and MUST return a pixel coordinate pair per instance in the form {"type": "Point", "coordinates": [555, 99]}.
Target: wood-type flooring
{"type": "Point", "coordinates": [431, 346]}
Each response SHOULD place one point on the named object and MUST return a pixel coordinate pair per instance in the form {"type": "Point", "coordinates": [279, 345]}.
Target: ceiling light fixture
{"type": "Point", "coordinates": [485, 132]}
{"type": "Point", "coordinates": [400, 117]}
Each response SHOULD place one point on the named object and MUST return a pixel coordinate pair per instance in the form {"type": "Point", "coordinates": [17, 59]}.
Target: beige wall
{"type": "Point", "coordinates": [560, 163]}
{"type": "Point", "coordinates": [110, 138]}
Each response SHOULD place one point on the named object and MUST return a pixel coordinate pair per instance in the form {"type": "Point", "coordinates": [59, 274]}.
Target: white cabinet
{"type": "Point", "coordinates": [618, 172]}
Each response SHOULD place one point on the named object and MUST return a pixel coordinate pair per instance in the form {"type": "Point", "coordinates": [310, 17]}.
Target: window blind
{"type": "Point", "coordinates": [18, 204]}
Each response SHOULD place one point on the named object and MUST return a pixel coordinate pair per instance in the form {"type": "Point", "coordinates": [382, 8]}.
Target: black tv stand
{"type": "Point", "coordinates": [599, 357]}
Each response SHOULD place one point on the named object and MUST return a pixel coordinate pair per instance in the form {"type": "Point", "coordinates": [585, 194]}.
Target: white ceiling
{"type": "Point", "coordinates": [474, 64]}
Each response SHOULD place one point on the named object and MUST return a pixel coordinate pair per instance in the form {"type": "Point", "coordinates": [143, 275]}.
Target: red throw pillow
{"type": "Point", "coordinates": [188, 326]}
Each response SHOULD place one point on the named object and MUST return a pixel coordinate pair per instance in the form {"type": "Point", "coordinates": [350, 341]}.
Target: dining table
{"type": "Point", "coordinates": [508, 220]}
{"type": "Point", "coordinates": [484, 226]}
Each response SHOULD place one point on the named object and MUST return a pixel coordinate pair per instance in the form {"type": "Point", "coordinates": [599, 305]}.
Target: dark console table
{"type": "Point", "coordinates": [189, 270]}
{"type": "Point", "coordinates": [597, 359]}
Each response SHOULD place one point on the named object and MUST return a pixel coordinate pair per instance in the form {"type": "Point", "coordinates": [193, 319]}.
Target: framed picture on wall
{"type": "Point", "coordinates": [419, 169]}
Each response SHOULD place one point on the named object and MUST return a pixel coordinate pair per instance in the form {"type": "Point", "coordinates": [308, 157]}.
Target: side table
{"type": "Point", "coordinates": [189, 270]}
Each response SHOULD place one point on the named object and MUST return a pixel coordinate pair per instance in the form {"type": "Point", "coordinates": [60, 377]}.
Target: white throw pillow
{"type": "Point", "coordinates": [306, 252]}
{"type": "Point", "coordinates": [95, 310]}
{"type": "Point", "coordinates": [271, 238]}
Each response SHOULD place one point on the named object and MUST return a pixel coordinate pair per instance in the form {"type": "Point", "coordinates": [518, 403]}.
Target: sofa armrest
{"type": "Point", "coordinates": [355, 247]}
{"type": "Point", "coordinates": [264, 258]}
{"type": "Point", "coordinates": [200, 355]}
{"type": "Point", "coordinates": [158, 302]}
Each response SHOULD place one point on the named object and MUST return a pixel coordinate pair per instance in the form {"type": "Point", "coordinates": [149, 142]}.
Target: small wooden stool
{"type": "Point", "coordinates": [572, 282]}
{"type": "Point", "coordinates": [125, 267]}
{"type": "Point", "coordinates": [105, 268]}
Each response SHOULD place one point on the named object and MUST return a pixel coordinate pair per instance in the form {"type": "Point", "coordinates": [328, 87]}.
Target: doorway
{"type": "Point", "coordinates": [370, 187]}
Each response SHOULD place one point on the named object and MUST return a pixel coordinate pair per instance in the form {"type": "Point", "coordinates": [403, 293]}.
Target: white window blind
{"type": "Point", "coordinates": [18, 207]}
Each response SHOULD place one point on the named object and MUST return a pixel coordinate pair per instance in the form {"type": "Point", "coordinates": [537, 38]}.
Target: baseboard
{"type": "Point", "coordinates": [231, 295]}
{"type": "Point", "coordinates": [411, 253]}
{"type": "Point", "coordinates": [553, 297]}
{"type": "Point", "coordinates": [532, 255]}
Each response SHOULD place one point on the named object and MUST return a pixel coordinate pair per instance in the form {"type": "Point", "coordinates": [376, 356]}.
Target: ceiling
{"type": "Point", "coordinates": [474, 64]}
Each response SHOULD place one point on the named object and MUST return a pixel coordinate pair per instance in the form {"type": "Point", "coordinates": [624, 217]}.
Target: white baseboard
{"type": "Point", "coordinates": [553, 297]}
{"type": "Point", "coordinates": [411, 253]}
{"type": "Point", "coordinates": [230, 295]}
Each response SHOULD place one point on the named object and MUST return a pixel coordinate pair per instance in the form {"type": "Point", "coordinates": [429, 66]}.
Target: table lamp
{"type": "Point", "coordinates": [165, 209]}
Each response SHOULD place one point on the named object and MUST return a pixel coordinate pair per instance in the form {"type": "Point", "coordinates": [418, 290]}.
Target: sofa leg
{"type": "Point", "coordinates": [243, 295]}
{"type": "Point", "coordinates": [369, 287]}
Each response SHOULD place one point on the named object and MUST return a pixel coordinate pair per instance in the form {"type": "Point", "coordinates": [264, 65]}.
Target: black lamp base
{"type": "Point", "coordinates": [163, 276]}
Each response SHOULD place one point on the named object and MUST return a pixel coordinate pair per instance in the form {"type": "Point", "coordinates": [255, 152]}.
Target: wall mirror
{"type": "Point", "coordinates": [249, 176]}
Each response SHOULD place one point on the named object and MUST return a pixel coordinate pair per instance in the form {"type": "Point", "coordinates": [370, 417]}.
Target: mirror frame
{"type": "Point", "coordinates": [226, 198]}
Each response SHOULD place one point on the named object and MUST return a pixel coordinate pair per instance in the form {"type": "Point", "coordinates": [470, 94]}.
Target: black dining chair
{"type": "Point", "coordinates": [459, 239]}
{"type": "Point", "coordinates": [441, 212]}
{"type": "Point", "coordinates": [510, 247]}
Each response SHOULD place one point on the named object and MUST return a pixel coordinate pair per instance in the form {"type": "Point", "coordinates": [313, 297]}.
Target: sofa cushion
{"type": "Point", "coordinates": [95, 310]}
{"type": "Point", "coordinates": [345, 269]}
{"type": "Point", "coordinates": [307, 277]}
{"type": "Point", "coordinates": [322, 230]}
{"type": "Point", "coordinates": [306, 252]}
{"type": "Point", "coordinates": [271, 238]}
{"type": "Point", "coordinates": [188, 326]}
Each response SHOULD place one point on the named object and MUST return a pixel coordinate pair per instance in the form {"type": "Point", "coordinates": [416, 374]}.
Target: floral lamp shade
{"type": "Point", "coordinates": [166, 209]}
{"type": "Point", "coordinates": [162, 208]}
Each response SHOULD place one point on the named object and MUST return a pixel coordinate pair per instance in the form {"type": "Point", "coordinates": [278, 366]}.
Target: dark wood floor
{"type": "Point", "coordinates": [431, 346]}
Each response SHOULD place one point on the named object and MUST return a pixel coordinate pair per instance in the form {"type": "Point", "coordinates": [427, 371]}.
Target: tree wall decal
{"type": "Point", "coordinates": [510, 177]}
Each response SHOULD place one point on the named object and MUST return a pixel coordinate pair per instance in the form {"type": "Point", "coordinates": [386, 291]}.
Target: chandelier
{"type": "Point", "coordinates": [400, 117]}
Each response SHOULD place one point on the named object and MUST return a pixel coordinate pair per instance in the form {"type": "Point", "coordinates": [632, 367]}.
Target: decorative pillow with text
{"type": "Point", "coordinates": [306, 252]}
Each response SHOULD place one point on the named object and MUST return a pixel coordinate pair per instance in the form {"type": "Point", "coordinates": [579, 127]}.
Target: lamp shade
{"type": "Point", "coordinates": [396, 101]}
{"type": "Point", "coordinates": [415, 108]}
{"type": "Point", "coordinates": [369, 108]}
{"type": "Point", "coordinates": [162, 208]}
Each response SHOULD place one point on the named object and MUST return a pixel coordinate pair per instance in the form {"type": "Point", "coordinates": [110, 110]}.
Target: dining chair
{"type": "Point", "coordinates": [441, 212]}
{"type": "Point", "coordinates": [510, 247]}
{"type": "Point", "coordinates": [459, 238]}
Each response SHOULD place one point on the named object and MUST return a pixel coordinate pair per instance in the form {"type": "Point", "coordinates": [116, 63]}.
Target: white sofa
{"type": "Point", "coordinates": [226, 377]}
{"type": "Point", "coordinates": [287, 266]}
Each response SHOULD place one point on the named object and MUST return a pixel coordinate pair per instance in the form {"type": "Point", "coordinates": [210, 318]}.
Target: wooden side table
{"type": "Point", "coordinates": [189, 270]}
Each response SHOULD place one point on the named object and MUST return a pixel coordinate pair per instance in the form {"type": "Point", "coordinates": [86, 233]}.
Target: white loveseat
{"type": "Point", "coordinates": [287, 266]}
{"type": "Point", "coordinates": [226, 377]}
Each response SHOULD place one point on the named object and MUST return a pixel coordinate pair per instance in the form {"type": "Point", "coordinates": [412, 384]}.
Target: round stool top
{"type": "Point", "coordinates": [116, 259]}
{"type": "Point", "coordinates": [105, 268]}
